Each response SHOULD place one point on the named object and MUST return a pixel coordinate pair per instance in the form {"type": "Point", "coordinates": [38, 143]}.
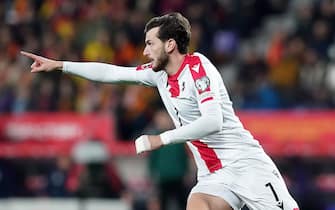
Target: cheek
{"type": "Point", "coordinates": [154, 50]}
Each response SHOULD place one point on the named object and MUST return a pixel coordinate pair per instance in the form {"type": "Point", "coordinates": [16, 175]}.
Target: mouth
{"type": "Point", "coordinates": [151, 61]}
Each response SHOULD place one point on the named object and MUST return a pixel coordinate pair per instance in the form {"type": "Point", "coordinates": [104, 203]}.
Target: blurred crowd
{"type": "Point", "coordinates": [60, 177]}
{"type": "Point", "coordinates": [272, 54]}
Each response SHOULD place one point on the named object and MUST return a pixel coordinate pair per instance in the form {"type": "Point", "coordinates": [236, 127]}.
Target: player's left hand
{"type": "Point", "coordinates": [147, 143]}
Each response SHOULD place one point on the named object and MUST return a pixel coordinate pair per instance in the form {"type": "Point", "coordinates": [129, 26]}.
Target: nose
{"type": "Point", "coordinates": [146, 51]}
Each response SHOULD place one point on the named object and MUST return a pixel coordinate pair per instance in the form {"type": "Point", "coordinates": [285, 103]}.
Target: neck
{"type": "Point", "coordinates": [176, 60]}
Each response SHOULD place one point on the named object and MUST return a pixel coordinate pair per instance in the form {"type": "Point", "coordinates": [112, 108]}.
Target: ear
{"type": "Point", "coordinates": [170, 45]}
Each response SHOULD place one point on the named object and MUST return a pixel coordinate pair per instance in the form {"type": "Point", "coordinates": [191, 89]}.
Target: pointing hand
{"type": "Point", "coordinates": [43, 64]}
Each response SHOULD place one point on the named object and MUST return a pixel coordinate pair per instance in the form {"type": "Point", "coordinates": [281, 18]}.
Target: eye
{"type": "Point", "coordinates": [149, 43]}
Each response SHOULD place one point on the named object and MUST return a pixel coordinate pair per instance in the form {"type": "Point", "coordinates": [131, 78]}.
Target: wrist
{"type": "Point", "coordinates": [155, 141]}
{"type": "Point", "coordinates": [59, 65]}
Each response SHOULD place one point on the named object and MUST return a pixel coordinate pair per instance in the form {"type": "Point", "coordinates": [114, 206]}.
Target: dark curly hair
{"type": "Point", "coordinates": [172, 26]}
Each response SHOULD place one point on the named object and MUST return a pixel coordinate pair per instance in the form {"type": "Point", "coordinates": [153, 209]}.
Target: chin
{"type": "Point", "coordinates": [155, 69]}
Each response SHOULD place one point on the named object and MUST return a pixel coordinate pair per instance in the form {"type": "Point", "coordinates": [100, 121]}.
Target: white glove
{"type": "Point", "coordinates": [142, 144]}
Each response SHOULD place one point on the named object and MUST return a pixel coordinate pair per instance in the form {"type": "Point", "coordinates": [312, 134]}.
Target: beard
{"type": "Point", "coordinates": [162, 61]}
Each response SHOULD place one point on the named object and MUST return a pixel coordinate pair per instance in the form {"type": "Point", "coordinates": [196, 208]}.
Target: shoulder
{"type": "Point", "coordinates": [198, 68]}
{"type": "Point", "coordinates": [194, 58]}
{"type": "Point", "coordinates": [198, 62]}
{"type": "Point", "coordinates": [198, 65]}
{"type": "Point", "coordinates": [202, 58]}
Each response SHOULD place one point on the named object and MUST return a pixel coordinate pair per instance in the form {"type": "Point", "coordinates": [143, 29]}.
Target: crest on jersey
{"type": "Point", "coordinates": [202, 84]}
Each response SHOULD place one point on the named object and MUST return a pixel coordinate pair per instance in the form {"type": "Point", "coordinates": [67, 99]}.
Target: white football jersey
{"type": "Point", "coordinates": [193, 93]}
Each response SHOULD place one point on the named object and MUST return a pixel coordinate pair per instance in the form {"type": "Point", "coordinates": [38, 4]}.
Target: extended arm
{"type": "Point", "coordinates": [102, 72]}
{"type": "Point", "coordinates": [99, 72]}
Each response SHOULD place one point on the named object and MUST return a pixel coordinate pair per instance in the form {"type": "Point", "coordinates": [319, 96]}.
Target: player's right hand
{"type": "Point", "coordinates": [43, 64]}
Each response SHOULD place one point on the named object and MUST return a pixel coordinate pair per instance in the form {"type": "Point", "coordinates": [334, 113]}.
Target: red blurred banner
{"type": "Point", "coordinates": [281, 133]}
{"type": "Point", "coordinates": [287, 133]}
{"type": "Point", "coordinates": [50, 134]}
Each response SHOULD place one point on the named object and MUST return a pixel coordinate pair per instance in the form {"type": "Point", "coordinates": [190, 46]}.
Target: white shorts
{"type": "Point", "coordinates": [221, 191]}
{"type": "Point", "coordinates": [255, 183]}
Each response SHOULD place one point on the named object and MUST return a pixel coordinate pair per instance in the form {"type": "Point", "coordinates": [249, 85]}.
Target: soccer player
{"type": "Point", "coordinates": [233, 169]}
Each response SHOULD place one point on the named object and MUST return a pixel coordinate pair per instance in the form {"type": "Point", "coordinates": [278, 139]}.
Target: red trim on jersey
{"type": "Point", "coordinates": [197, 70]}
{"type": "Point", "coordinates": [173, 79]}
{"type": "Point", "coordinates": [206, 99]}
{"type": "Point", "coordinates": [296, 209]}
{"type": "Point", "coordinates": [144, 66]}
{"type": "Point", "coordinates": [174, 88]}
{"type": "Point", "coordinates": [212, 161]}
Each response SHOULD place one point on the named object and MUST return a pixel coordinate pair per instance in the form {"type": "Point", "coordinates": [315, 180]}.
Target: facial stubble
{"type": "Point", "coordinates": [162, 61]}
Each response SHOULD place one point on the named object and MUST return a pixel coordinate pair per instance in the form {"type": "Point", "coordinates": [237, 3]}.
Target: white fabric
{"type": "Point", "coordinates": [108, 73]}
{"type": "Point", "coordinates": [142, 144]}
{"type": "Point", "coordinates": [212, 122]}
{"type": "Point", "coordinates": [219, 190]}
{"type": "Point", "coordinates": [206, 117]}
{"type": "Point", "coordinates": [199, 105]}
{"type": "Point", "coordinates": [195, 130]}
{"type": "Point", "coordinates": [250, 181]}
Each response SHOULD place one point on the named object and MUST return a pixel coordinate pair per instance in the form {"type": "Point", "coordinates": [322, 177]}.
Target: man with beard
{"type": "Point", "coordinates": [233, 169]}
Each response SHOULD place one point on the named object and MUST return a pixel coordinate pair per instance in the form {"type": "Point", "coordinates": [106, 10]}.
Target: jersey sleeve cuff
{"type": "Point", "coordinates": [65, 68]}
{"type": "Point", "coordinates": [165, 138]}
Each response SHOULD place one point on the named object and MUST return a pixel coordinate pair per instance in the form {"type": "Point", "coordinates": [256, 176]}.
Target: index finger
{"type": "Point", "coordinates": [30, 55]}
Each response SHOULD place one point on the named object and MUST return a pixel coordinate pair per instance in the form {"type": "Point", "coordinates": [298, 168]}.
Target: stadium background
{"type": "Point", "coordinates": [275, 56]}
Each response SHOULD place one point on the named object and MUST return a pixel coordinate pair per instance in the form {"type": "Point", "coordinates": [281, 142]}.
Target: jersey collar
{"type": "Point", "coordinates": [176, 75]}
